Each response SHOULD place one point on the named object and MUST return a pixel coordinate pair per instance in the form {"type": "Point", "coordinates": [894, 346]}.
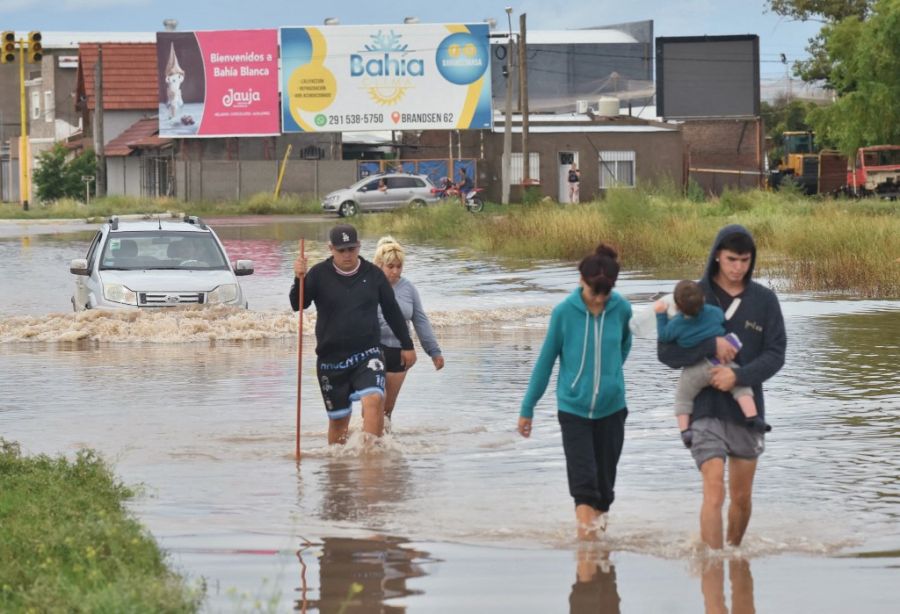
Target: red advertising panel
{"type": "Point", "coordinates": [218, 83]}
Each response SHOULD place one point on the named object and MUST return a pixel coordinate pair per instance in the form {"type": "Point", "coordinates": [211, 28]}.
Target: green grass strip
{"type": "Point", "coordinates": [259, 204]}
{"type": "Point", "coordinates": [68, 543]}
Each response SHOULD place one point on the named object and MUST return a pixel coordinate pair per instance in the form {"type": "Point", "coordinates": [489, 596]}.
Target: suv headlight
{"type": "Point", "coordinates": [226, 293]}
{"type": "Point", "coordinates": [117, 293]}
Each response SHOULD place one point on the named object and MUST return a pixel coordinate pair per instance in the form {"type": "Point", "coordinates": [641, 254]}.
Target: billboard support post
{"type": "Point", "coordinates": [507, 130]}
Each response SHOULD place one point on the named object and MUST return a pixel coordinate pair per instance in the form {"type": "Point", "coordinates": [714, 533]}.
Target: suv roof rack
{"type": "Point", "coordinates": [193, 219]}
{"type": "Point", "coordinates": [113, 222]}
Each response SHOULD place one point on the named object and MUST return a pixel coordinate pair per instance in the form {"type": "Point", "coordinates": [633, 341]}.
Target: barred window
{"type": "Point", "coordinates": [616, 169]}
{"type": "Point", "coordinates": [312, 153]}
{"type": "Point", "coordinates": [534, 167]}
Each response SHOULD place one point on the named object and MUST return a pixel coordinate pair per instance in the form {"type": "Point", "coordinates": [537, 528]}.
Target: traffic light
{"type": "Point", "coordinates": [35, 48]}
{"type": "Point", "coordinates": [7, 47]}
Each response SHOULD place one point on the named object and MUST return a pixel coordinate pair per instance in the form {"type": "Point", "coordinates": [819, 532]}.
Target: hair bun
{"type": "Point", "coordinates": [385, 240]}
{"type": "Point", "coordinates": [605, 250]}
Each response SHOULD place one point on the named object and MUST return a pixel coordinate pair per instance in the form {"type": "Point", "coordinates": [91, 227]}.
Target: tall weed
{"type": "Point", "coordinates": [830, 245]}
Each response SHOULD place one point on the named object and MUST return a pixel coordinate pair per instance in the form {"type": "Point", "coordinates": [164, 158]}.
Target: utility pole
{"type": "Point", "coordinates": [523, 97]}
{"type": "Point", "coordinates": [98, 124]}
{"type": "Point", "coordinates": [507, 114]}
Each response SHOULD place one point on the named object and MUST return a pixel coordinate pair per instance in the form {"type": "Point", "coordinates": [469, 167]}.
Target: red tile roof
{"type": "Point", "coordinates": [141, 134]}
{"type": "Point", "coordinates": [129, 75]}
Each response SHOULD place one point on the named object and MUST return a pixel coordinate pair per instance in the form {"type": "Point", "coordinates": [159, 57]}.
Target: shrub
{"type": "Point", "coordinates": [56, 178]}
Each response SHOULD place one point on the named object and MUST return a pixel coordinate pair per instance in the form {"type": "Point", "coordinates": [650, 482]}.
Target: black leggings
{"type": "Point", "coordinates": [592, 450]}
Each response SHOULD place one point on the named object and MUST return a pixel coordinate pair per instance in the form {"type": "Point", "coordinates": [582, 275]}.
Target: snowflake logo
{"type": "Point", "coordinates": [385, 42]}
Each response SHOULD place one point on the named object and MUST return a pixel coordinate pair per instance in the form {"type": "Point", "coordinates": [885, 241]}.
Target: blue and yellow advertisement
{"type": "Point", "coordinates": [388, 77]}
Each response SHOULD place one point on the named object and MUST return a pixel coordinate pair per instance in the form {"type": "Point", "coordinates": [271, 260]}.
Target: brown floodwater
{"type": "Point", "coordinates": [454, 510]}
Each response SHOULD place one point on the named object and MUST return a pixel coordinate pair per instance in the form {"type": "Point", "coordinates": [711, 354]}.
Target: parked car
{"type": "Point", "coordinates": [157, 263]}
{"type": "Point", "coordinates": [381, 192]}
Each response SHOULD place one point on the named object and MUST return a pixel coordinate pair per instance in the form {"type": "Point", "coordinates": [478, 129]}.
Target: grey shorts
{"type": "Point", "coordinates": [715, 438]}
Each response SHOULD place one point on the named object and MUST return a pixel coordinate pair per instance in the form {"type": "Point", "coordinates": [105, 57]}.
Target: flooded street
{"type": "Point", "coordinates": [198, 408]}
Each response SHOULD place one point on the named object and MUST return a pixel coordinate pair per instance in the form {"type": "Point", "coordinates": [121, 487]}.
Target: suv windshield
{"type": "Point", "coordinates": [162, 250]}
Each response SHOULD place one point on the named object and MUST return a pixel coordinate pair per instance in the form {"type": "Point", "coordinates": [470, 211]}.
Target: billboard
{"type": "Point", "coordinates": [391, 77]}
{"type": "Point", "coordinates": [707, 76]}
{"type": "Point", "coordinates": [566, 66]}
{"type": "Point", "coordinates": [218, 83]}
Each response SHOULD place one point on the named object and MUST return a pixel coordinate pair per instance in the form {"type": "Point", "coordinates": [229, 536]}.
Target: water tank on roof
{"type": "Point", "coordinates": [581, 106]}
{"type": "Point", "coordinates": [607, 106]}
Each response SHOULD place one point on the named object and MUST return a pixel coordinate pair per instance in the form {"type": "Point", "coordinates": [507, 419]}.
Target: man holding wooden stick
{"type": "Point", "coordinates": [347, 291]}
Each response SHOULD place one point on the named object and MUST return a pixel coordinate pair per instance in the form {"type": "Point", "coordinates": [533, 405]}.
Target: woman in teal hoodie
{"type": "Point", "coordinates": [589, 334]}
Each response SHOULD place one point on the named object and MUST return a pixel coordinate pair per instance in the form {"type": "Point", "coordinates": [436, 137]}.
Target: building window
{"type": "Point", "coordinates": [35, 105]}
{"type": "Point", "coordinates": [534, 167]}
{"type": "Point", "coordinates": [312, 153]}
{"type": "Point", "coordinates": [616, 169]}
{"type": "Point", "coordinates": [49, 107]}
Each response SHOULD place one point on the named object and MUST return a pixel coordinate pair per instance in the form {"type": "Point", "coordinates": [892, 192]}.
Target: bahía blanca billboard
{"type": "Point", "coordinates": [333, 79]}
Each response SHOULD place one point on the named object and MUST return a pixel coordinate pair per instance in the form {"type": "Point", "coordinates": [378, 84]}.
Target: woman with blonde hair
{"type": "Point", "coordinates": [389, 256]}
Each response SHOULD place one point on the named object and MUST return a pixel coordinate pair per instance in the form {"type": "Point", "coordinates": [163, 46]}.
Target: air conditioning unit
{"type": "Point", "coordinates": [581, 106]}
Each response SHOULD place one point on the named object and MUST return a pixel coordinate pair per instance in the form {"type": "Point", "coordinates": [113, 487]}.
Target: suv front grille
{"type": "Point", "coordinates": [170, 299]}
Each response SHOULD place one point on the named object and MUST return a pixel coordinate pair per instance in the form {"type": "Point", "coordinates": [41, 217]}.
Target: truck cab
{"type": "Point", "coordinates": [875, 171]}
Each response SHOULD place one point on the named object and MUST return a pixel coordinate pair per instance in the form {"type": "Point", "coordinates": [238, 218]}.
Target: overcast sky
{"type": "Point", "coordinates": [671, 18]}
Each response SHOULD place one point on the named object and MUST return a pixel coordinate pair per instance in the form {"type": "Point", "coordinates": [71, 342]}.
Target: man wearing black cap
{"type": "Point", "coordinates": [347, 291]}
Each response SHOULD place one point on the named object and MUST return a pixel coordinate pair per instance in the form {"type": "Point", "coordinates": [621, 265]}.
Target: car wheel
{"type": "Point", "coordinates": [348, 209]}
{"type": "Point", "coordinates": [416, 204]}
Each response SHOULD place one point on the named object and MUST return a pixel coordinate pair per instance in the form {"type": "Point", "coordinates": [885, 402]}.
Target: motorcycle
{"type": "Point", "coordinates": [474, 201]}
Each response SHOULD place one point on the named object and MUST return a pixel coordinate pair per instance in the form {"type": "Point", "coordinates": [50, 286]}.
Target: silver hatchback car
{"type": "Point", "coordinates": [158, 263]}
{"type": "Point", "coordinates": [381, 192]}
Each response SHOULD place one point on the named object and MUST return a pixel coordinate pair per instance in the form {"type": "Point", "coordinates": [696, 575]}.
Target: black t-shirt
{"type": "Point", "coordinates": [573, 176]}
{"type": "Point", "coordinates": [723, 297]}
{"type": "Point", "coordinates": [347, 309]}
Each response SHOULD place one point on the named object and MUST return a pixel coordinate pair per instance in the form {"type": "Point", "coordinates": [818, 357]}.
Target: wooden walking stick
{"type": "Point", "coordinates": [299, 357]}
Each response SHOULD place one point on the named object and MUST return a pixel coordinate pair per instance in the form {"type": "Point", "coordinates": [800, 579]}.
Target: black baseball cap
{"type": "Point", "coordinates": [344, 235]}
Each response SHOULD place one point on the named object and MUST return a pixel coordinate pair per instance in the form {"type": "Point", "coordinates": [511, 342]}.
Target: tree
{"type": "Point", "coordinates": [782, 115]}
{"type": "Point", "coordinates": [84, 164]}
{"type": "Point", "coordinates": [49, 174]}
{"type": "Point", "coordinates": [56, 178]}
{"type": "Point", "coordinates": [865, 70]}
{"type": "Point", "coordinates": [818, 67]}
{"type": "Point", "coordinates": [825, 10]}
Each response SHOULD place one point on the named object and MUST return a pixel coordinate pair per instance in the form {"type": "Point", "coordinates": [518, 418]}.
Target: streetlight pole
{"type": "Point", "coordinates": [23, 138]}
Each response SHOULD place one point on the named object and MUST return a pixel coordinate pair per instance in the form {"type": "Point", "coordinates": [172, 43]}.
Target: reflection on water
{"type": "Point", "coordinates": [364, 490]}
{"type": "Point", "coordinates": [713, 586]}
{"type": "Point", "coordinates": [859, 356]}
{"type": "Point", "coordinates": [361, 575]}
{"type": "Point", "coordinates": [595, 587]}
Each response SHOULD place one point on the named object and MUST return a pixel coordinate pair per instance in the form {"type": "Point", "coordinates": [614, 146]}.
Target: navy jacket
{"type": "Point", "coordinates": [759, 324]}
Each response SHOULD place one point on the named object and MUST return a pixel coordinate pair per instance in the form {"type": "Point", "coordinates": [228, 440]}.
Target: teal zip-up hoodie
{"type": "Point", "coordinates": [591, 383]}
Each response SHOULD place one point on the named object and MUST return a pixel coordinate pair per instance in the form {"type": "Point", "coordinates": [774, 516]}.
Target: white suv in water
{"type": "Point", "coordinates": [157, 263]}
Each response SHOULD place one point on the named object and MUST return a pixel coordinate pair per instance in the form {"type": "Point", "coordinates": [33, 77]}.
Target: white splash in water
{"type": "Point", "coordinates": [202, 324]}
